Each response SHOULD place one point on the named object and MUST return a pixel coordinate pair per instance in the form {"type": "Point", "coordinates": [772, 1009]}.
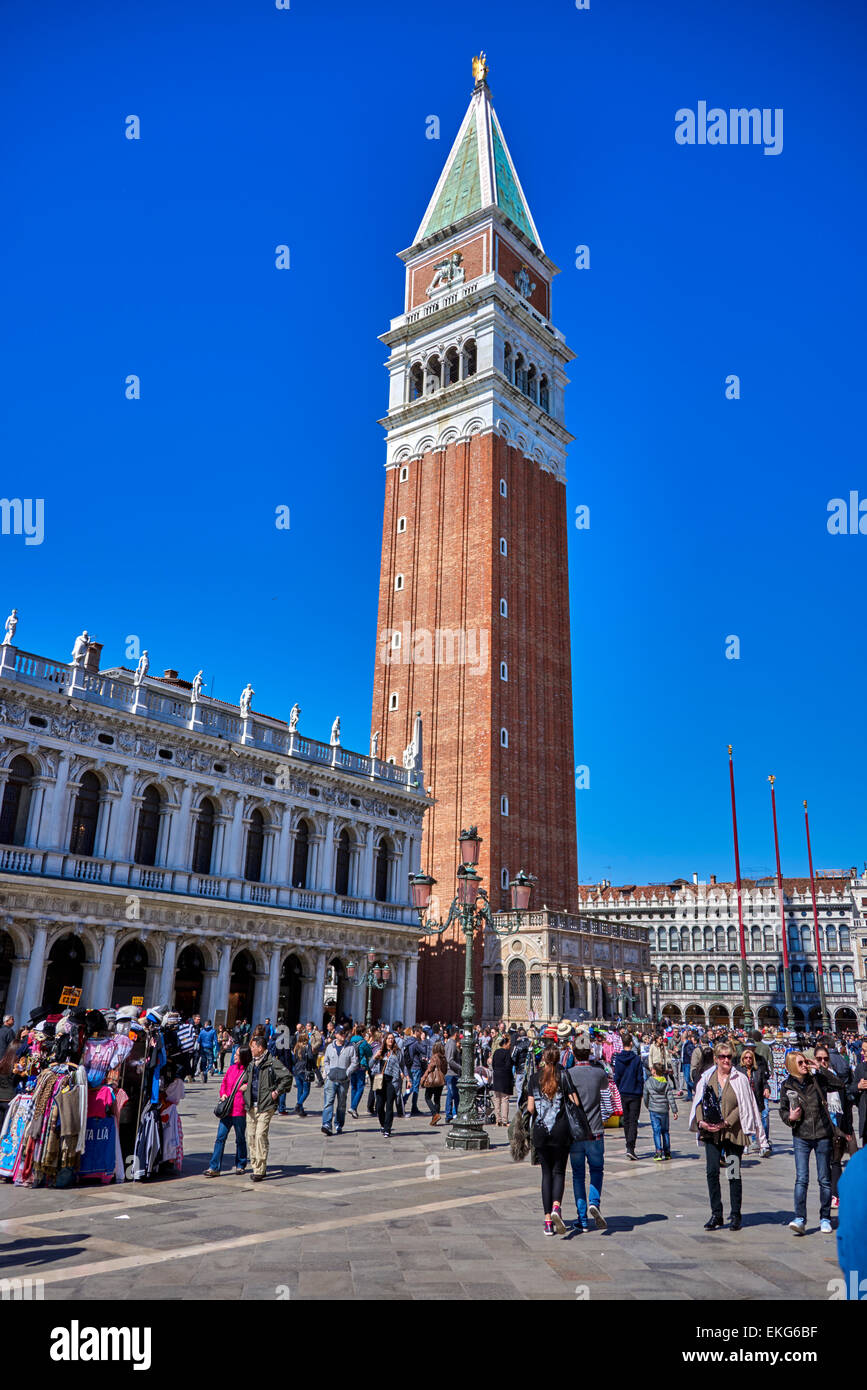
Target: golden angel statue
{"type": "Point", "coordinates": [480, 67]}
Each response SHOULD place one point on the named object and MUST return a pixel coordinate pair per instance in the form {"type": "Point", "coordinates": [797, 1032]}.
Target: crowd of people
{"type": "Point", "coordinates": [94, 1095]}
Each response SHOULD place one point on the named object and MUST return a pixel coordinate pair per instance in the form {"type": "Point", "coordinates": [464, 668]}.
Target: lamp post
{"type": "Point", "coordinates": [377, 976]}
{"type": "Point", "coordinates": [470, 910]}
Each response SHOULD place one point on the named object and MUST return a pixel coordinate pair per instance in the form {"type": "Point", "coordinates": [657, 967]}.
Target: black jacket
{"type": "Point", "coordinates": [501, 1068]}
{"type": "Point", "coordinates": [815, 1121]}
{"type": "Point", "coordinates": [860, 1097]}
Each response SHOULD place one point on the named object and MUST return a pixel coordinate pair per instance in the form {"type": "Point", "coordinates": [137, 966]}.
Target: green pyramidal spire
{"type": "Point", "coordinates": [479, 172]}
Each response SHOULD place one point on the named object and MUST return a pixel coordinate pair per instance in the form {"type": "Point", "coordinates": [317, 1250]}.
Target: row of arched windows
{"type": "Point", "coordinates": [14, 813]}
{"type": "Point", "coordinates": [800, 938]}
{"type": "Point", "coordinates": [436, 371]}
{"type": "Point", "coordinates": [761, 979]}
{"type": "Point", "coordinates": [526, 377]}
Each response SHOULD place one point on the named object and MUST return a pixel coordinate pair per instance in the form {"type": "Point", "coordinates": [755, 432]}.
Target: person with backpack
{"type": "Point", "coordinates": [588, 1078]}
{"type": "Point", "coordinates": [433, 1080]}
{"type": "Point", "coordinates": [551, 1136]}
{"type": "Point", "coordinates": [659, 1099]}
{"type": "Point", "coordinates": [358, 1039]}
{"type": "Point", "coordinates": [263, 1080]}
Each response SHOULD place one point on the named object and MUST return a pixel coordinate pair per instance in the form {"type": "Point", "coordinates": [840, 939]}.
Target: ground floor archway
{"type": "Point", "coordinates": [671, 1012]}
{"type": "Point", "coordinates": [189, 981]}
{"type": "Point", "coordinates": [846, 1020]}
{"type": "Point", "coordinates": [242, 989]}
{"type": "Point", "coordinates": [289, 996]}
{"type": "Point", "coordinates": [65, 970]}
{"type": "Point", "coordinates": [7, 956]}
{"type": "Point", "coordinates": [718, 1016]}
{"type": "Point", "coordinates": [695, 1014]}
{"type": "Point", "coordinates": [130, 974]}
{"type": "Point", "coordinates": [769, 1017]}
{"type": "Point", "coordinates": [333, 1003]}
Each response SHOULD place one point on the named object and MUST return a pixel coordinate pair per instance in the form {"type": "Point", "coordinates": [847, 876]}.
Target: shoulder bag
{"type": "Point", "coordinates": [223, 1108]}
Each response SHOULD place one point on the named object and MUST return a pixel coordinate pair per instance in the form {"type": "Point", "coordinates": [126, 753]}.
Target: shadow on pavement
{"type": "Point", "coordinates": [24, 1251]}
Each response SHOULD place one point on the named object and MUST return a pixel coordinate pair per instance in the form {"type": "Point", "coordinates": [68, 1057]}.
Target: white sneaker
{"type": "Point", "coordinates": [601, 1223]}
{"type": "Point", "coordinates": [798, 1227]}
{"type": "Point", "coordinates": [825, 1227]}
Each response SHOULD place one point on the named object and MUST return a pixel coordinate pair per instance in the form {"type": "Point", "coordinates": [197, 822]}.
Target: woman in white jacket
{"type": "Point", "coordinates": [724, 1094]}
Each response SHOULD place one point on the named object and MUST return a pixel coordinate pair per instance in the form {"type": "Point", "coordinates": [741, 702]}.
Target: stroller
{"type": "Point", "coordinates": [484, 1100]}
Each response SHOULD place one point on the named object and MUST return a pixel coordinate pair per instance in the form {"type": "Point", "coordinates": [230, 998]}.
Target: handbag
{"type": "Point", "coordinates": [223, 1108]}
{"type": "Point", "coordinates": [432, 1077]}
{"type": "Point", "coordinates": [711, 1113]}
{"type": "Point", "coordinates": [576, 1115]}
{"type": "Point", "coordinates": [377, 1082]}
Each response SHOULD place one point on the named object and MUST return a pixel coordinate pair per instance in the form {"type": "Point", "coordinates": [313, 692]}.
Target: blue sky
{"type": "Point", "coordinates": [261, 387]}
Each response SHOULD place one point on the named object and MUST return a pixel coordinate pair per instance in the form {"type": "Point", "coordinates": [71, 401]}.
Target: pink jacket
{"type": "Point", "coordinates": [235, 1071]}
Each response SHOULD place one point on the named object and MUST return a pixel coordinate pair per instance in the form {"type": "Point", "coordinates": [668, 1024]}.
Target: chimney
{"type": "Point", "coordinates": [713, 878]}
{"type": "Point", "coordinates": [170, 675]}
{"type": "Point", "coordinates": [92, 656]}
{"type": "Point", "coordinates": [695, 878]}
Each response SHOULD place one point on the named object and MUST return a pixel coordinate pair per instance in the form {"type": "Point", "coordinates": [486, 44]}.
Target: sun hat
{"type": "Point", "coordinates": [564, 1029]}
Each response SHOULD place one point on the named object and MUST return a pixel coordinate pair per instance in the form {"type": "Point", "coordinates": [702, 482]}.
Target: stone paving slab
{"type": "Point", "coordinates": [360, 1217]}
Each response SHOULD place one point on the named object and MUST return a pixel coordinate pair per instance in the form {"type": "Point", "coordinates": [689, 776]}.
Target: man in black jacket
{"type": "Point", "coordinates": [415, 1058]}
{"type": "Point", "coordinates": [629, 1080]}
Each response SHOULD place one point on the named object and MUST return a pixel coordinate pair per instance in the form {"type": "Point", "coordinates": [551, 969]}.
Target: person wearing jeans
{"type": "Point", "coordinates": [340, 1062]}
{"type": "Point", "coordinates": [588, 1079]}
{"type": "Point", "coordinates": [804, 1108]}
{"type": "Point", "coordinates": [453, 1074]}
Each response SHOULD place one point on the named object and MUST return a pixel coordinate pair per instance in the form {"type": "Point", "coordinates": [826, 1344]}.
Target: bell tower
{"type": "Point", "coordinates": [473, 625]}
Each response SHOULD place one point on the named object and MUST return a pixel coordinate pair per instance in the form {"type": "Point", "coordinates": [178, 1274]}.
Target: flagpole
{"type": "Point", "coordinates": [787, 978]}
{"type": "Point", "coordinates": [748, 1013]}
{"type": "Point", "coordinates": [826, 1022]}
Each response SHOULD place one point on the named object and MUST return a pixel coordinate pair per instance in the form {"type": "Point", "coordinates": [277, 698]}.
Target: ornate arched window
{"type": "Point", "coordinates": [203, 839]}
{"type": "Point", "coordinates": [255, 847]}
{"type": "Point", "coordinates": [416, 381]}
{"type": "Point", "coordinates": [760, 979]}
{"type": "Point", "coordinates": [508, 363]}
{"type": "Point", "coordinates": [453, 367]}
{"type": "Point", "coordinates": [16, 802]}
{"type": "Point", "coordinates": [148, 829]}
{"type": "Point", "coordinates": [772, 979]}
{"type": "Point", "coordinates": [834, 978]}
{"type": "Point", "coordinates": [545, 395]}
{"type": "Point", "coordinates": [432, 375]}
{"type": "Point", "coordinates": [470, 358]}
{"type": "Point", "coordinates": [831, 938]}
{"type": "Point", "coordinates": [723, 982]}
{"type": "Point", "coordinates": [797, 980]}
{"type": "Point", "coordinates": [687, 978]}
{"type": "Point", "coordinates": [699, 978]}
{"type": "Point", "coordinates": [848, 980]}
{"type": "Point", "coordinates": [663, 979]}
{"type": "Point", "coordinates": [85, 815]}
{"type": "Point", "coordinates": [517, 980]}
{"type": "Point", "coordinates": [300, 855]}
{"type": "Point", "coordinates": [711, 978]}
{"type": "Point", "coordinates": [734, 978]}
{"type": "Point", "coordinates": [533, 384]}
{"type": "Point", "coordinates": [341, 872]}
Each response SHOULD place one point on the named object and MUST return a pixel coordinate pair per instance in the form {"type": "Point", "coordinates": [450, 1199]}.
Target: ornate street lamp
{"type": "Point", "coordinates": [471, 911]}
{"type": "Point", "coordinates": [376, 976]}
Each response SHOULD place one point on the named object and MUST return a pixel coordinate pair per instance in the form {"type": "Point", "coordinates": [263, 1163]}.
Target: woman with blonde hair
{"type": "Point", "coordinates": [724, 1112]}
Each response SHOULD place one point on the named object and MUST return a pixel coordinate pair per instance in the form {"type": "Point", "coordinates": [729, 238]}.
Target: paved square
{"type": "Point", "coordinates": [361, 1216]}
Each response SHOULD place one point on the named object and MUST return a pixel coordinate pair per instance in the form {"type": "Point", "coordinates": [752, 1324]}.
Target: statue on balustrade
{"type": "Point", "coordinates": [335, 733]}
{"type": "Point", "coordinates": [79, 651]}
{"type": "Point", "coordinates": [11, 624]}
{"type": "Point", "coordinates": [374, 745]}
{"type": "Point", "coordinates": [247, 700]}
{"type": "Point", "coordinates": [142, 669]}
{"type": "Point", "coordinates": [294, 715]}
{"type": "Point", "coordinates": [197, 687]}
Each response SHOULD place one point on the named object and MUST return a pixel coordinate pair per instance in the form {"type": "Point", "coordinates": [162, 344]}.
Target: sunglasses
{"type": "Point", "coordinates": [724, 1057]}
